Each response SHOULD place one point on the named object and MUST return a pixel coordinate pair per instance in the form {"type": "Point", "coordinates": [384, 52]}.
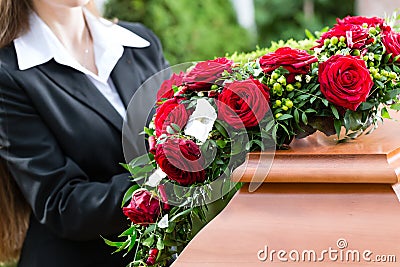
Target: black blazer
{"type": "Point", "coordinates": [62, 141]}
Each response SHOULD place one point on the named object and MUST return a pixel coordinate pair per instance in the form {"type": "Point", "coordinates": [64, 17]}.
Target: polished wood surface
{"type": "Point", "coordinates": [373, 158]}
{"type": "Point", "coordinates": [314, 194]}
{"type": "Point", "coordinates": [300, 217]}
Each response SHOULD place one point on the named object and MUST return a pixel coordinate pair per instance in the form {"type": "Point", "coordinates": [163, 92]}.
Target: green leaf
{"type": "Point", "coordinates": [274, 132]}
{"type": "Point", "coordinates": [171, 227]}
{"type": "Point", "coordinates": [141, 160]}
{"type": "Point", "coordinates": [284, 117]}
{"type": "Point", "coordinates": [325, 102]}
{"type": "Point", "coordinates": [395, 67]}
{"type": "Point", "coordinates": [129, 232]}
{"type": "Point", "coordinates": [313, 99]}
{"type": "Point", "coordinates": [176, 127]}
{"type": "Point", "coordinates": [237, 146]}
{"type": "Point", "coordinates": [304, 118]}
{"type": "Point", "coordinates": [285, 129]}
{"type": "Point", "coordinates": [123, 246]}
{"type": "Point", "coordinates": [269, 125]}
{"type": "Point", "coordinates": [335, 111]}
{"type": "Point", "coordinates": [148, 242]}
{"type": "Point", "coordinates": [221, 143]}
{"type": "Point", "coordinates": [310, 110]}
{"type": "Point", "coordinates": [296, 116]}
{"type": "Point", "coordinates": [170, 130]}
{"type": "Point", "coordinates": [353, 120]}
{"type": "Point", "coordinates": [380, 84]}
{"type": "Point", "coordinates": [160, 243]}
{"type": "Point", "coordinates": [221, 129]}
{"type": "Point", "coordinates": [257, 142]}
{"type": "Point", "coordinates": [113, 244]}
{"type": "Point", "coordinates": [366, 106]}
{"type": "Point", "coordinates": [303, 97]}
{"type": "Point", "coordinates": [145, 169]}
{"type": "Point", "coordinates": [309, 35]}
{"type": "Point", "coordinates": [387, 57]}
{"type": "Point", "coordinates": [385, 114]}
{"type": "Point", "coordinates": [128, 194]}
{"type": "Point", "coordinates": [391, 94]}
{"type": "Point", "coordinates": [180, 214]}
{"type": "Point", "coordinates": [150, 228]}
{"type": "Point", "coordinates": [395, 106]}
{"type": "Point", "coordinates": [338, 127]}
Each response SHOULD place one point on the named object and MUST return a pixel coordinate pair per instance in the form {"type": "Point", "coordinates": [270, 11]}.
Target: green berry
{"type": "Point", "coordinates": [274, 76]}
{"type": "Point", "coordinates": [282, 80]}
{"type": "Point", "coordinates": [372, 31]}
{"type": "Point", "coordinates": [278, 103]}
{"type": "Point", "coordinates": [289, 103]}
{"type": "Point", "coordinates": [277, 115]}
{"type": "Point", "coordinates": [285, 108]}
{"type": "Point", "coordinates": [298, 85]}
{"type": "Point", "coordinates": [277, 87]}
{"type": "Point", "coordinates": [356, 52]}
{"type": "Point", "coordinates": [342, 39]}
{"type": "Point", "coordinates": [377, 76]}
{"type": "Point", "coordinates": [334, 40]}
{"type": "Point", "coordinates": [327, 41]}
{"type": "Point", "coordinates": [289, 87]}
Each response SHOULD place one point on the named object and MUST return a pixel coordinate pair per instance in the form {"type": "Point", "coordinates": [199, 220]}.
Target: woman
{"type": "Point", "coordinates": [66, 78]}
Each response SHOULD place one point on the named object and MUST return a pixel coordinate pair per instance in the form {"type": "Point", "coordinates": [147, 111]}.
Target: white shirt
{"type": "Point", "coordinates": [40, 45]}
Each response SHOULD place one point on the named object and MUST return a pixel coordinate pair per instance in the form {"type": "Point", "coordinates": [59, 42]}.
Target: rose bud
{"type": "Point", "coordinates": [151, 259]}
{"type": "Point", "coordinates": [152, 144]}
{"type": "Point", "coordinates": [144, 208]}
{"type": "Point", "coordinates": [163, 194]}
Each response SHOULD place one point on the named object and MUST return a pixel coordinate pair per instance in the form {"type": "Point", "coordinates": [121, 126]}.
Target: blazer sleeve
{"type": "Point", "coordinates": [58, 191]}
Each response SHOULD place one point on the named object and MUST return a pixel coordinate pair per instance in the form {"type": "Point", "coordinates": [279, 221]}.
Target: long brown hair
{"type": "Point", "coordinates": [14, 210]}
{"type": "Point", "coordinates": [14, 18]}
{"type": "Point", "coordinates": [14, 216]}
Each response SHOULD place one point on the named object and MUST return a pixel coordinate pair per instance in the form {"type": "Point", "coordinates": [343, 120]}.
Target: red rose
{"type": "Point", "coordinates": [144, 208]}
{"type": "Point", "coordinates": [171, 111]}
{"type": "Point", "coordinates": [359, 20]}
{"type": "Point", "coordinates": [166, 90]}
{"type": "Point", "coordinates": [181, 160]}
{"type": "Point", "coordinates": [294, 60]}
{"type": "Point", "coordinates": [243, 103]}
{"type": "Point", "coordinates": [356, 36]}
{"type": "Point", "coordinates": [206, 73]}
{"type": "Point", "coordinates": [345, 81]}
{"type": "Point", "coordinates": [261, 86]}
{"type": "Point", "coordinates": [151, 259]}
{"type": "Point", "coordinates": [391, 41]}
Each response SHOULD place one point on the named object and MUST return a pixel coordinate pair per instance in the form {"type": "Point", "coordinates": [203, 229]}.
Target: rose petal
{"type": "Point", "coordinates": [163, 223]}
{"type": "Point", "coordinates": [156, 178]}
{"type": "Point", "coordinates": [201, 121]}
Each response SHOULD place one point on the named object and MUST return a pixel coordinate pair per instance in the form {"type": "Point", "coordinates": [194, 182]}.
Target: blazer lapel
{"type": "Point", "coordinates": [79, 86]}
{"type": "Point", "coordinates": [126, 77]}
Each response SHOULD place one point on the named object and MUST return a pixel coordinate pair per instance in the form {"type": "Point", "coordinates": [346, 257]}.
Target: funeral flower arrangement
{"type": "Point", "coordinates": [208, 117]}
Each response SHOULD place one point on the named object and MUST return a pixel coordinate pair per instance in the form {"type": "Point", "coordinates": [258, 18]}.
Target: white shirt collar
{"type": "Point", "coordinates": [39, 45]}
